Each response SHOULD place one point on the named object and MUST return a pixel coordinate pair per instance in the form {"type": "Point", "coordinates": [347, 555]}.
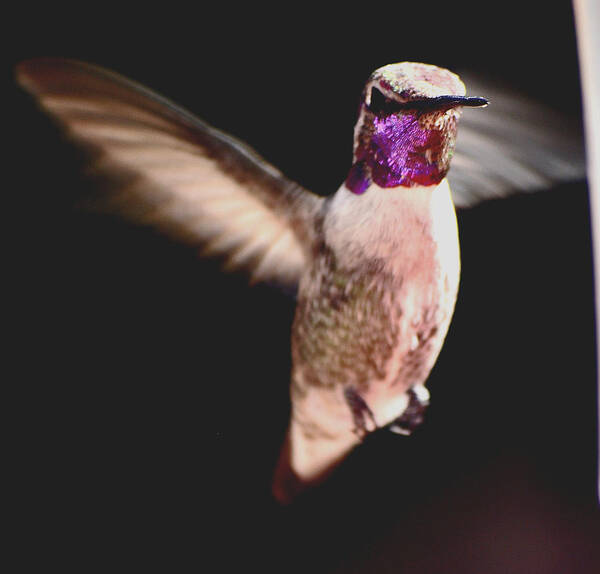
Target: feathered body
{"type": "Point", "coordinates": [373, 310]}
{"type": "Point", "coordinates": [375, 303]}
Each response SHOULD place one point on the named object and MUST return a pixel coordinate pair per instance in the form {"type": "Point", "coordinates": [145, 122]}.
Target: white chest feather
{"type": "Point", "coordinates": [413, 233]}
{"type": "Point", "coordinates": [412, 229]}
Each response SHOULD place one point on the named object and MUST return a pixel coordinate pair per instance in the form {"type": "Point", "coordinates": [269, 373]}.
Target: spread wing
{"type": "Point", "coordinates": [514, 145]}
{"type": "Point", "coordinates": [166, 168]}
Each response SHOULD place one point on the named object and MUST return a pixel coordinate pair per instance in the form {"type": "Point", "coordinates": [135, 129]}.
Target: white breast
{"type": "Point", "coordinates": [413, 231]}
{"type": "Point", "coordinates": [409, 227]}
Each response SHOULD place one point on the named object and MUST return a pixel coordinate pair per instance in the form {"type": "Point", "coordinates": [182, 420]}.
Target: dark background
{"type": "Point", "coordinates": [152, 389]}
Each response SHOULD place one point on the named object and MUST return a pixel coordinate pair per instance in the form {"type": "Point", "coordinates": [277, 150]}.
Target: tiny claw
{"type": "Point", "coordinates": [413, 415]}
{"type": "Point", "coordinates": [360, 412]}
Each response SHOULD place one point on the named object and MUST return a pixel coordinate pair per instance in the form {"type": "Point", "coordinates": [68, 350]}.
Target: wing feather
{"type": "Point", "coordinates": [515, 145]}
{"type": "Point", "coordinates": [164, 167]}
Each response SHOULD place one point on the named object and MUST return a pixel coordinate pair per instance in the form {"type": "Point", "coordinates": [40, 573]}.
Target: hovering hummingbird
{"type": "Point", "coordinates": [376, 265]}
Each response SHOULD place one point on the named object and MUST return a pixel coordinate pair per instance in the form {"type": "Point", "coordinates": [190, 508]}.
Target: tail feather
{"type": "Point", "coordinates": [306, 461]}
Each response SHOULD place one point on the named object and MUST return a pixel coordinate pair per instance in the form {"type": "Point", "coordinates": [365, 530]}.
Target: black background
{"type": "Point", "coordinates": [152, 389]}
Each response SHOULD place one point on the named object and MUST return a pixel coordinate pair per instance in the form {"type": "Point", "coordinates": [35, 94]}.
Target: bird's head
{"type": "Point", "coordinates": [406, 129]}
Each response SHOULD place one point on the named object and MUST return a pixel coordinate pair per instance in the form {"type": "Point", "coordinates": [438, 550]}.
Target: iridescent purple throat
{"type": "Point", "coordinates": [397, 150]}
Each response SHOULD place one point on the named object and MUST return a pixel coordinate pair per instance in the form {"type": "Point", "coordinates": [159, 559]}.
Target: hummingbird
{"type": "Point", "coordinates": [375, 265]}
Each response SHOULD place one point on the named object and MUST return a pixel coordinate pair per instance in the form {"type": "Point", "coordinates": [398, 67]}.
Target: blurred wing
{"type": "Point", "coordinates": [166, 168]}
{"type": "Point", "coordinates": [514, 145]}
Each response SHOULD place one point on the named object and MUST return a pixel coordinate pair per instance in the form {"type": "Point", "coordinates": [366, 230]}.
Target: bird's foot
{"type": "Point", "coordinates": [364, 421]}
{"type": "Point", "coordinates": [413, 415]}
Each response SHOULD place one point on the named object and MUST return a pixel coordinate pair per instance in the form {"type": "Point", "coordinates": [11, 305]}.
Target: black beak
{"type": "Point", "coordinates": [454, 101]}
{"type": "Point", "coordinates": [446, 102]}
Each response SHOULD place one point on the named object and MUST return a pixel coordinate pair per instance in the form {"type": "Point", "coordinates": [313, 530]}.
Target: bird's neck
{"type": "Point", "coordinates": [408, 150]}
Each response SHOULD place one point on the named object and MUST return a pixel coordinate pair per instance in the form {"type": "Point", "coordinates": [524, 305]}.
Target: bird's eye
{"type": "Point", "coordinates": [381, 105]}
